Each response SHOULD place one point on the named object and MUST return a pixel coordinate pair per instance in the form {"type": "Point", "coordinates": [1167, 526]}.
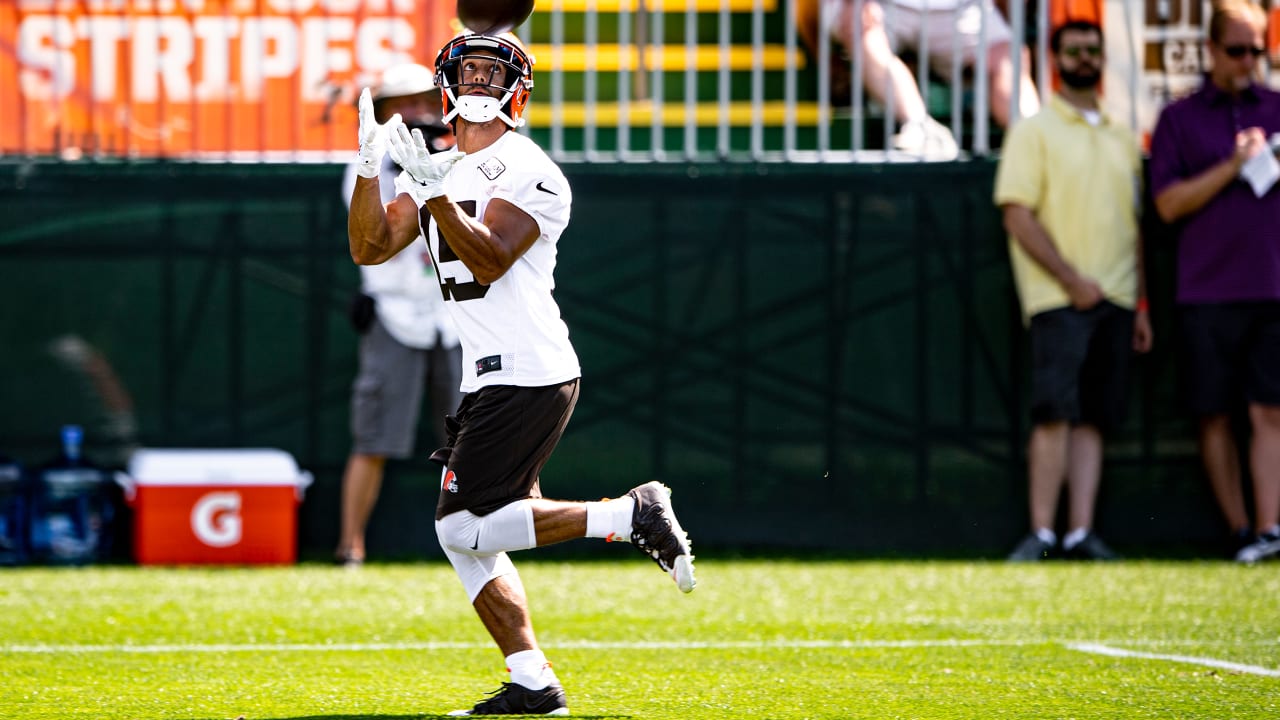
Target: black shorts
{"type": "Point", "coordinates": [1080, 365]}
{"type": "Point", "coordinates": [1231, 354]}
{"type": "Point", "coordinates": [498, 443]}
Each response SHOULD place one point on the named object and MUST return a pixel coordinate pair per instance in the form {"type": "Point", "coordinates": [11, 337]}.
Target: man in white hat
{"type": "Point", "coordinates": [408, 343]}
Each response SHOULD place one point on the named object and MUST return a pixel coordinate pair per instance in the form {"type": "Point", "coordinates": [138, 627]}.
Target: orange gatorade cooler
{"type": "Point", "coordinates": [228, 507]}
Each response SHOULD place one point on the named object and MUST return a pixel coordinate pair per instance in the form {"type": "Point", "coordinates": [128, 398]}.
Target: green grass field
{"type": "Point", "coordinates": [757, 639]}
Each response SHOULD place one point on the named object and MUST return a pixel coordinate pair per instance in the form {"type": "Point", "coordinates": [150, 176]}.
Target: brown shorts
{"type": "Point", "coordinates": [498, 443]}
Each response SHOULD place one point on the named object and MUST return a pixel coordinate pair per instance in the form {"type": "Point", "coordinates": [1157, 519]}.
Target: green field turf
{"type": "Point", "coordinates": [757, 639]}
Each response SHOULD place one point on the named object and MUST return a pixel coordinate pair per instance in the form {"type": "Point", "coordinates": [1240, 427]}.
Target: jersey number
{"type": "Point", "coordinates": [450, 288]}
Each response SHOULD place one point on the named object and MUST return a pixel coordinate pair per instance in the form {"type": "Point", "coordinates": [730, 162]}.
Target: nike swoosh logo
{"type": "Point", "coordinates": [476, 545]}
{"type": "Point", "coordinates": [549, 192]}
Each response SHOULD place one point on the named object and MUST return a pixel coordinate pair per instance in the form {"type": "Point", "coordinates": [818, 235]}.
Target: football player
{"type": "Point", "coordinates": [491, 213]}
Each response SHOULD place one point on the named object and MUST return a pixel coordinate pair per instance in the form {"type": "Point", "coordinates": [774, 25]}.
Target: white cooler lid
{"type": "Point", "coordinates": [245, 466]}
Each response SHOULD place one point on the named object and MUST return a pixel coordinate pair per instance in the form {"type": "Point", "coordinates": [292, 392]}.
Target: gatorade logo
{"type": "Point", "coordinates": [216, 520]}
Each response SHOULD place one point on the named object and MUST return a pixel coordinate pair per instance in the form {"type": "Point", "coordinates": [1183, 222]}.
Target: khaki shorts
{"type": "Point", "coordinates": [387, 395]}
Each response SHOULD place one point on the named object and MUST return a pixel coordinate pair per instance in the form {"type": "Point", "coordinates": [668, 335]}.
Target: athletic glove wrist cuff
{"type": "Point", "coordinates": [368, 167]}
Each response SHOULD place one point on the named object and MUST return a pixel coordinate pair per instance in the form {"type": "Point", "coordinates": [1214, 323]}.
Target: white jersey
{"type": "Point", "coordinates": [511, 330]}
{"type": "Point", "coordinates": [405, 290]}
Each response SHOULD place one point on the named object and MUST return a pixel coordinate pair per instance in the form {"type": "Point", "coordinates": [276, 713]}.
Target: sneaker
{"type": "Point", "coordinates": [348, 560]}
{"type": "Point", "coordinates": [1091, 548]}
{"type": "Point", "coordinates": [928, 139]}
{"type": "Point", "coordinates": [1267, 545]}
{"type": "Point", "coordinates": [514, 699]}
{"type": "Point", "coordinates": [1031, 549]}
{"type": "Point", "coordinates": [656, 533]}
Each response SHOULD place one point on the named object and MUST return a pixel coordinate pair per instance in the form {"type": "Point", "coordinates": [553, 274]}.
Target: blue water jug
{"type": "Point", "coordinates": [71, 511]}
{"type": "Point", "coordinates": [13, 513]}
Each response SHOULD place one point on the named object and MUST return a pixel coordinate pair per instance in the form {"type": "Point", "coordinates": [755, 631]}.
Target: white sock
{"type": "Point", "coordinates": [611, 519]}
{"type": "Point", "coordinates": [1046, 536]}
{"type": "Point", "coordinates": [530, 669]}
{"type": "Point", "coordinates": [1074, 537]}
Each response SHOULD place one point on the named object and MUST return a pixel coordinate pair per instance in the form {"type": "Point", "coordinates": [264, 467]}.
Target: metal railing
{"type": "Point", "coordinates": [617, 80]}
{"type": "Point", "coordinates": [767, 97]}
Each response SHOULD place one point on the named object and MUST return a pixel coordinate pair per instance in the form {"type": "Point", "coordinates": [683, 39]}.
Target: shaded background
{"type": "Point", "coordinates": [814, 357]}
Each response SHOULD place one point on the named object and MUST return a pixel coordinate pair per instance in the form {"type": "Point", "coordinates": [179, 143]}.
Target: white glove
{"type": "Point", "coordinates": [424, 173]}
{"type": "Point", "coordinates": [373, 138]}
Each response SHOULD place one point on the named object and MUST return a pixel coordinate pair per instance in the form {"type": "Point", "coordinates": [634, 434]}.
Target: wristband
{"type": "Point", "coordinates": [1142, 306]}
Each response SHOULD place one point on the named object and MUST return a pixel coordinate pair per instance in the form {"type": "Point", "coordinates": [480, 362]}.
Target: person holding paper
{"type": "Point", "coordinates": [1214, 174]}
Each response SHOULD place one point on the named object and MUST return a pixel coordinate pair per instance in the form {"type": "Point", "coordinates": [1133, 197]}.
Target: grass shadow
{"type": "Point", "coordinates": [379, 716]}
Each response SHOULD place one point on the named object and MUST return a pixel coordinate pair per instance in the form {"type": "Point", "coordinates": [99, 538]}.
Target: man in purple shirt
{"type": "Point", "coordinates": [1228, 265]}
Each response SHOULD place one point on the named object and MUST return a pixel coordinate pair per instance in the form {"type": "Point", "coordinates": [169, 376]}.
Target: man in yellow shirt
{"type": "Point", "coordinates": [1068, 185]}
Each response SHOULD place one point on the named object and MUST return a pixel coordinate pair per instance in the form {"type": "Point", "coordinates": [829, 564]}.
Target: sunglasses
{"type": "Point", "coordinates": [1077, 51]}
{"type": "Point", "coordinates": [1238, 51]}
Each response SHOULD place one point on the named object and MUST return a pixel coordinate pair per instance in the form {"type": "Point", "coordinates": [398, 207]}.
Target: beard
{"type": "Point", "coordinates": [1082, 78]}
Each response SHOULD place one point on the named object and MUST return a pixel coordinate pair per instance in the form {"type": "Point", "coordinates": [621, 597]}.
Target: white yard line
{"type": "Point", "coordinates": [1093, 648]}
{"type": "Point", "coordinates": [1189, 659]}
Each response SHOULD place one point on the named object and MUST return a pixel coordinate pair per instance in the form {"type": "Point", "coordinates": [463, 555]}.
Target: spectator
{"type": "Point", "coordinates": [1228, 288]}
{"type": "Point", "coordinates": [407, 341]}
{"type": "Point", "coordinates": [1068, 185]}
{"type": "Point", "coordinates": [943, 24]}
{"type": "Point", "coordinates": [496, 217]}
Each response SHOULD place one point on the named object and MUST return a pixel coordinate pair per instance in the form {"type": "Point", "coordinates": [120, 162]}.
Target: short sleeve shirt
{"type": "Point", "coordinates": [512, 332]}
{"type": "Point", "coordinates": [1228, 250]}
{"type": "Point", "coordinates": [1082, 182]}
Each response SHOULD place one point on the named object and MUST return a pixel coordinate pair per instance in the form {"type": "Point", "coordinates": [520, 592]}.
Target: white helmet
{"type": "Point", "coordinates": [516, 84]}
{"type": "Point", "coordinates": [404, 79]}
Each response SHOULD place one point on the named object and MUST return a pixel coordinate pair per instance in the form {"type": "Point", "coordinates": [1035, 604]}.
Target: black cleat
{"type": "Point", "coordinates": [656, 533]}
{"type": "Point", "coordinates": [1266, 546]}
{"type": "Point", "coordinates": [514, 699]}
{"type": "Point", "coordinates": [1031, 549]}
{"type": "Point", "coordinates": [1091, 548]}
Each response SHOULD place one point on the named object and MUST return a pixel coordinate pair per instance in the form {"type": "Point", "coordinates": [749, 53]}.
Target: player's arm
{"type": "Point", "coordinates": [1033, 238]}
{"type": "Point", "coordinates": [1185, 197]}
{"type": "Point", "coordinates": [491, 245]}
{"type": "Point", "coordinates": [376, 232]}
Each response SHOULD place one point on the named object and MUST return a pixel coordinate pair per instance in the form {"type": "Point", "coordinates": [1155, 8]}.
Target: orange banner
{"type": "Point", "coordinates": [215, 79]}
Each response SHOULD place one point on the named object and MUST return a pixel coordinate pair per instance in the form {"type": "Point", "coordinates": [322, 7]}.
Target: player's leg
{"type": "Point", "coordinates": [1058, 345]}
{"type": "Point", "coordinates": [887, 78]}
{"type": "Point", "coordinates": [504, 436]}
{"type": "Point", "coordinates": [1221, 459]}
{"type": "Point", "coordinates": [1262, 387]}
{"type": "Point", "coordinates": [959, 34]}
{"type": "Point", "coordinates": [1002, 81]}
{"type": "Point", "coordinates": [386, 400]}
{"type": "Point", "coordinates": [493, 586]}
{"type": "Point", "coordinates": [1210, 337]}
{"type": "Point", "coordinates": [361, 483]}
{"type": "Point", "coordinates": [1104, 394]}
{"type": "Point", "coordinates": [644, 517]}
{"type": "Point", "coordinates": [1265, 466]}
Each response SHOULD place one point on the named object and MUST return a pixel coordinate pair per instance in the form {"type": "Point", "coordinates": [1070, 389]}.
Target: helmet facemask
{"type": "Point", "coordinates": [493, 62]}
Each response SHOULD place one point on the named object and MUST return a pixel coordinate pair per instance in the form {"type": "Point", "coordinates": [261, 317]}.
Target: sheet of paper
{"type": "Point", "coordinates": [1261, 172]}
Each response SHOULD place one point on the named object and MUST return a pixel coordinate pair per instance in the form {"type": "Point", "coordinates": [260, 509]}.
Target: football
{"type": "Point", "coordinates": [492, 17]}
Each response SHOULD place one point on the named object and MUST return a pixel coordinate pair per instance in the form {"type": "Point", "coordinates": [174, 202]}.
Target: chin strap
{"type": "Point", "coordinates": [477, 109]}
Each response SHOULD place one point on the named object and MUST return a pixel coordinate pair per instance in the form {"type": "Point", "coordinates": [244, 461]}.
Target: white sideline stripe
{"type": "Point", "coordinates": [1189, 659]}
{"type": "Point", "coordinates": [1094, 648]}
{"type": "Point", "coordinates": [576, 645]}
